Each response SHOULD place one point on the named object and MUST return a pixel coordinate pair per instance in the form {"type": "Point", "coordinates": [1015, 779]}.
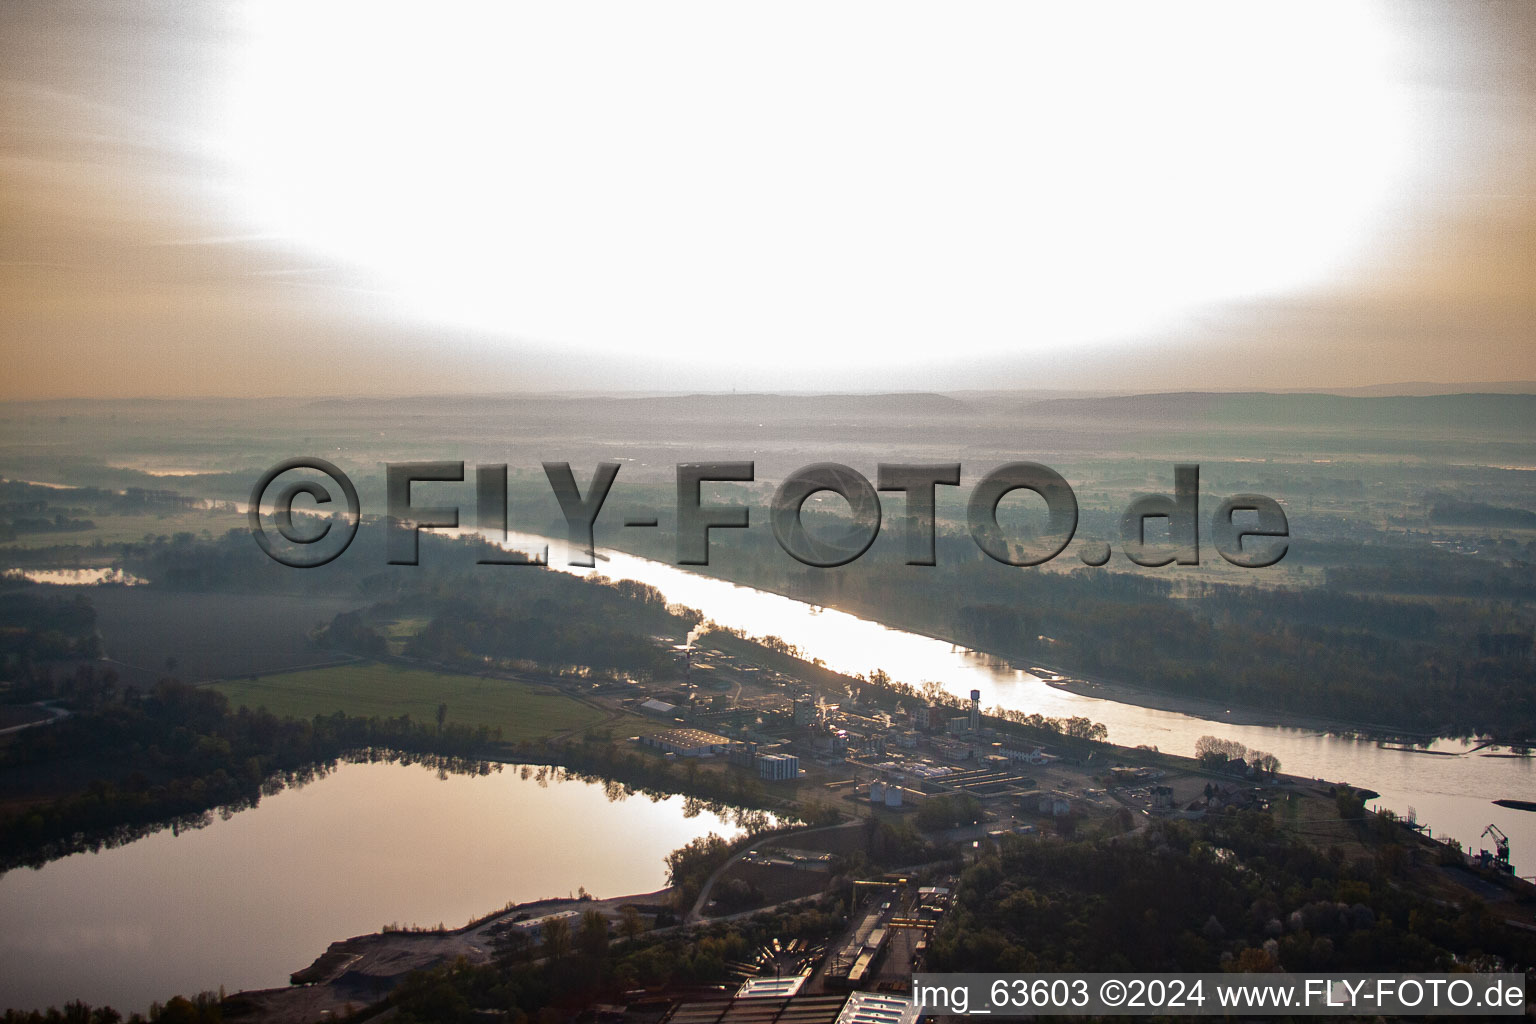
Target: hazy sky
{"type": "Point", "coordinates": [204, 199]}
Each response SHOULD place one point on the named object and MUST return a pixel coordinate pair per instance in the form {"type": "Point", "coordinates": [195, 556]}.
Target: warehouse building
{"type": "Point", "coordinates": [687, 742]}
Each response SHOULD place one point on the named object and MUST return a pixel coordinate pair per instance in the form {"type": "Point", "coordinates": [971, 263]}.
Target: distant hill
{"type": "Point", "coordinates": [774, 405]}
{"type": "Point", "coordinates": [742, 406]}
{"type": "Point", "coordinates": [1482, 413]}
{"type": "Point", "coordinates": [1422, 387]}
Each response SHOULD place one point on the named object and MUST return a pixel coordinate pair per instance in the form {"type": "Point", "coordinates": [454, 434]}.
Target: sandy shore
{"type": "Point", "coordinates": [1216, 713]}
{"type": "Point", "coordinates": [363, 969]}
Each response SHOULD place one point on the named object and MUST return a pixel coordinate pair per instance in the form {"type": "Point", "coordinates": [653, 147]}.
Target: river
{"type": "Point", "coordinates": [1451, 791]}
{"type": "Point", "coordinates": [249, 899]}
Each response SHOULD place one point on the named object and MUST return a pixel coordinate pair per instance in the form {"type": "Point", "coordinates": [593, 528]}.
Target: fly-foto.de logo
{"type": "Point", "coordinates": [1261, 539]}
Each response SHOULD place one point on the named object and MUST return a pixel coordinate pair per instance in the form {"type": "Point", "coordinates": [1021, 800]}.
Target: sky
{"type": "Point", "coordinates": [364, 198]}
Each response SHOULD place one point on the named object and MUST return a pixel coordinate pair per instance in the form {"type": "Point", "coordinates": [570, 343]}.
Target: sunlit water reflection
{"type": "Point", "coordinates": [246, 901]}
{"type": "Point", "coordinates": [1452, 794]}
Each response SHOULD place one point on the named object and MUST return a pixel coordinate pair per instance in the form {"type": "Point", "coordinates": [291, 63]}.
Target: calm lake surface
{"type": "Point", "coordinates": [246, 901]}
{"type": "Point", "coordinates": [1452, 792]}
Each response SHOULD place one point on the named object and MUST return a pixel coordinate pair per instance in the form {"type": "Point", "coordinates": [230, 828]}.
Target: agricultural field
{"type": "Point", "coordinates": [522, 711]}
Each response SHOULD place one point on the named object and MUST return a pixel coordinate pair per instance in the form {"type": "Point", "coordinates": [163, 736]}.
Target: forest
{"type": "Point", "coordinates": [1232, 894]}
{"type": "Point", "coordinates": [129, 763]}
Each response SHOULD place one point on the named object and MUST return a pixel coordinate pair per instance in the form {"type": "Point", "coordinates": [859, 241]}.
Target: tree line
{"type": "Point", "coordinates": [173, 755]}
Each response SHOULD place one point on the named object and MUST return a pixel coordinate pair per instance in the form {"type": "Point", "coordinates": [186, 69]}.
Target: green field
{"type": "Point", "coordinates": [520, 710]}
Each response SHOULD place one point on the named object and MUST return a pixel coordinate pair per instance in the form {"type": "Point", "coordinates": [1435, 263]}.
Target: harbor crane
{"type": "Point", "coordinates": [1499, 860]}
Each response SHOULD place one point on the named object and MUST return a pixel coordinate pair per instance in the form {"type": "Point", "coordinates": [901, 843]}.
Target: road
{"type": "Point", "coordinates": [696, 913]}
{"type": "Point", "coordinates": [55, 715]}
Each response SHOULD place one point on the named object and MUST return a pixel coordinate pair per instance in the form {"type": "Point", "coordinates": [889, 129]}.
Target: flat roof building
{"type": "Point", "coordinates": [878, 1008]}
{"type": "Point", "coordinates": [687, 742]}
{"type": "Point", "coordinates": [770, 988]}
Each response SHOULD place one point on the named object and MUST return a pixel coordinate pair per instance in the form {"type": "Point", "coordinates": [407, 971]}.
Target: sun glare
{"type": "Point", "coordinates": [820, 183]}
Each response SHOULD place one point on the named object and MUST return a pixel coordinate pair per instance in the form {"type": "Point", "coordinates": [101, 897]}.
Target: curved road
{"type": "Point", "coordinates": [55, 715]}
{"type": "Point", "coordinates": [695, 914]}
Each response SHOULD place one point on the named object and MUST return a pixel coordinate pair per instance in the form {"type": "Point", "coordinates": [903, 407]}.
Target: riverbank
{"type": "Point", "coordinates": [1071, 681]}
{"type": "Point", "coordinates": [1214, 712]}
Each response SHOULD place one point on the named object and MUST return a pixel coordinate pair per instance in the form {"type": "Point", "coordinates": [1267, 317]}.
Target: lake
{"type": "Point", "coordinates": [249, 899]}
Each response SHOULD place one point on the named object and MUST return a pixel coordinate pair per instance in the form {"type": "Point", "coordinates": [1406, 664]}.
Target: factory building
{"type": "Point", "coordinates": [687, 742]}
{"type": "Point", "coordinates": [894, 794]}
{"type": "Point", "coordinates": [930, 717]}
{"type": "Point", "coordinates": [659, 708]}
{"type": "Point", "coordinates": [1021, 755]}
{"type": "Point", "coordinates": [778, 767]}
{"type": "Point", "coordinates": [1055, 804]}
